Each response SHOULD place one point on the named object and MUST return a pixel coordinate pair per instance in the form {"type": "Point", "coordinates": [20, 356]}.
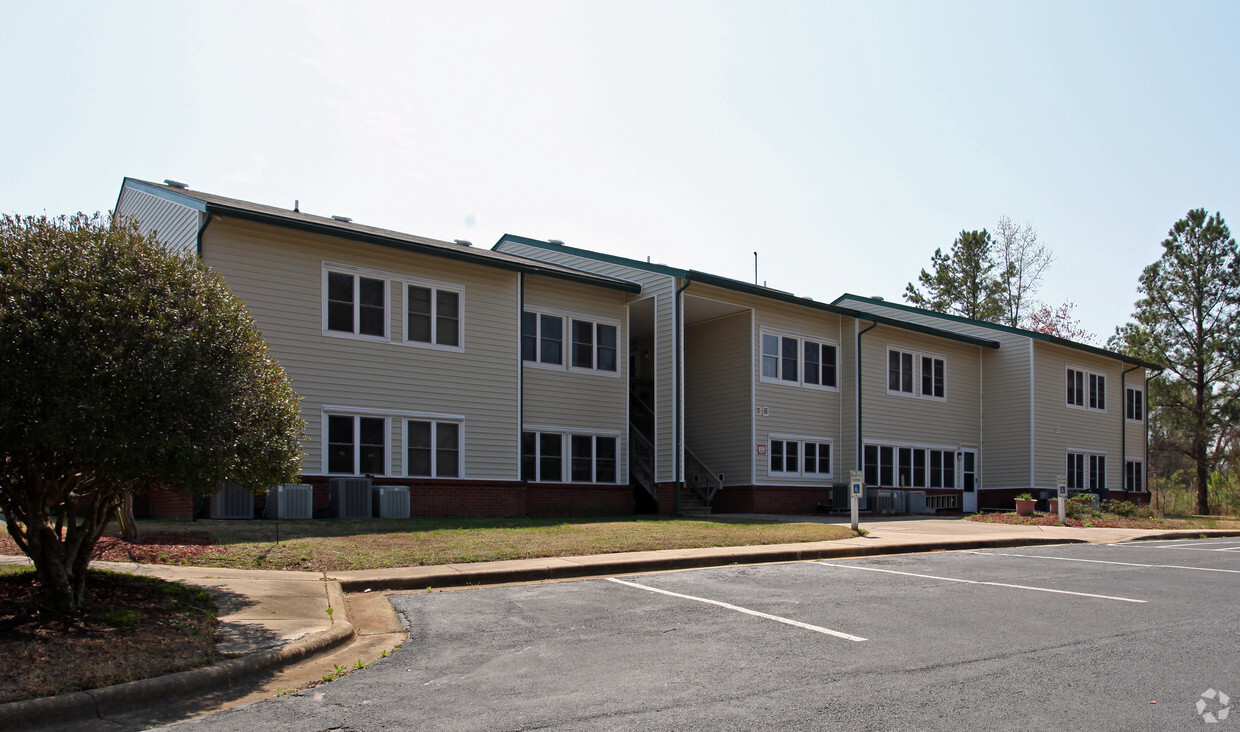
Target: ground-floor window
{"type": "Point", "coordinates": [549, 457]}
{"type": "Point", "coordinates": [909, 467]}
{"type": "Point", "coordinates": [356, 444]}
{"type": "Point", "coordinates": [1086, 471]}
{"type": "Point", "coordinates": [1134, 475]}
{"type": "Point", "coordinates": [800, 457]}
{"type": "Point", "coordinates": [432, 448]}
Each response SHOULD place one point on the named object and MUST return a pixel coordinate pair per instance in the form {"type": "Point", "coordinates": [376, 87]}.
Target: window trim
{"type": "Point", "coordinates": [801, 441]}
{"type": "Point", "coordinates": [1139, 475]}
{"type": "Point", "coordinates": [435, 288]}
{"type": "Point", "coordinates": [801, 340]}
{"type": "Point", "coordinates": [357, 273]}
{"type": "Point", "coordinates": [1088, 459]}
{"type": "Point", "coordinates": [434, 422]}
{"type": "Point", "coordinates": [566, 455]}
{"type": "Point", "coordinates": [1086, 392]}
{"type": "Point", "coordinates": [919, 357]}
{"type": "Point", "coordinates": [1138, 402]}
{"type": "Point", "coordinates": [927, 451]}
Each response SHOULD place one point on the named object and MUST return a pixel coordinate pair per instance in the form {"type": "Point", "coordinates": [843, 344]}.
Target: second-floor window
{"type": "Point", "coordinates": [1134, 404]}
{"type": "Point", "coordinates": [1087, 389]}
{"type": "Point", "coordinates": [916, 374]}
{"type": "Point", "coordinates": [591, 345]}
{"type": "Point", "coordinates": [797, 360]}
{"type": "Point", "coordinates": [356, 304]}
{"type": "Point", "coordinates": [433, 316]}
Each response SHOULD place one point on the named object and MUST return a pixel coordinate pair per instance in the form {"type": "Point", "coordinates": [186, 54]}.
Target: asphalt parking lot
{"type": "Point", "coordinates": [1122, 636]}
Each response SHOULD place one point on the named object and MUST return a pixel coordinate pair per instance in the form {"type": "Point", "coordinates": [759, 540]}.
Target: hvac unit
{"type": "Point", "coordinates": [349, 497]}
{"type": "Point", "coordinates": [888, 501]}
{"type": "Point", "coordinates": [390, 501]}
{"type": "Point", "coordinates": [290, 501]}
{"type": "Point", "coordinates": [916, 501]}
{"type": "Point", "coordinates": [232, 502]}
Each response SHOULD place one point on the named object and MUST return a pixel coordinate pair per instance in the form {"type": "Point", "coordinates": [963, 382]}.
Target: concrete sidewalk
{"type": "Point", "coordinates": [293, 627]}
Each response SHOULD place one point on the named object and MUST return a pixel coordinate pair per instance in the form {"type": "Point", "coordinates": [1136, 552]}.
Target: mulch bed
{"type": "Point", "coordinates": [131, 628]}
{"type": "Point", "coordinates": [152, 549]}
{"type": "Point", "coordinates": [1050, 519]}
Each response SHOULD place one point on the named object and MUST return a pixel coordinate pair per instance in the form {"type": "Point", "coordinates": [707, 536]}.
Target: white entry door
{"type": "Point", "coordinates": [968, 480]}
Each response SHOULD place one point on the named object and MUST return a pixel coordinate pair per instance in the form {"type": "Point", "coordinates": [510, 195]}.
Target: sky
{"type": "Point", "coordinates": [842, 141]}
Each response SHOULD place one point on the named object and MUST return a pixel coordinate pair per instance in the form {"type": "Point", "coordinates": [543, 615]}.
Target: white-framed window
{"type": "Point", "coordinates": [909, 467]}
{"type": "Point", "coordinates": [433, 448]}
{"type": "Point", "coordinates": [1087, 471]}
{"type": "Point", "coordinates": [564, 457]}
{"type": "Point", "coordinates": [356, 444]}
{"type": "Point", "coordinates": [1134, 476]}
{"type": "Point", "coordinates": [808, 457]}
{"type": "Point", "coordinates": [1134, 404]}
{"type": "Point", "coordinates": [911, 373]}
{"type": "Point", "coordinates": [790, 359]}
{"type": "Point", "coordinates": [433, 315]}
{"type": "Point", "coordinates": [1087, 389]}
{"type": "Point", "coordinates": [355, 303]}
{"type": "Point", "coordinates": [594, 345]}
{"type": "Point", "coordinates": [569, 341]}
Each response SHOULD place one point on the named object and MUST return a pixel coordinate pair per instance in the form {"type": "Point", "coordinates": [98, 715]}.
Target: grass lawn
{"type": "Point", "coordinates": [347, 544]}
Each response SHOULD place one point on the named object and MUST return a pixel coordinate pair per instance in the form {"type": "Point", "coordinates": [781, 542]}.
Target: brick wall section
{"type": "Point", "coordinates": [495, 498]}
{"type": "Point", "coordinates": [166, 504]}
{"type": "Point", "coordinates": [800, 500]}
{"type": "Point", "coordinates": [667, 498]}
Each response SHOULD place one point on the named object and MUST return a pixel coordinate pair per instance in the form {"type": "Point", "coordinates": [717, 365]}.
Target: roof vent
{"type": "Point", "coordinates": [877, 297]}
{"type": "Point", "coordinates": [345, 219]}
{"type": "Point", "coordinates": [557, 242]}
{"type": "Point", "coordinates": [174, 183]}
{"type": "Point", "coordinates": [463, 242]}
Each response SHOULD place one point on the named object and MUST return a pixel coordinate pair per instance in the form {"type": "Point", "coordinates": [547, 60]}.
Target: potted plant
{"type": "Point", "coordinates": [1024, 504]}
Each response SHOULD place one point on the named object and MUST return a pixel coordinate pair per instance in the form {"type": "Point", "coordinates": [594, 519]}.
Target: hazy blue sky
{"type": "Point", "coordinates": [843, 141]}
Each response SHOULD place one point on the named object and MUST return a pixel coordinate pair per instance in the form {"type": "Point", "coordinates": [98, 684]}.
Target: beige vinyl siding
{"type": "Point", "coordinates": [1135, 448]}
{"type": "Point", "coordinates": [1006, 375]}
{"type": "Point", "coordinates": [279, 274]}
{"type": "Point", "coordinates": [562, 398]}
{"type": "Point", "coordinates": [1060, 428]}
{"type": "Point", "coordinates": [846, 455]}
{"type": "Point", "coordinates": [663, 288]}
{"type": "Point", "coordinates": [717, 396]}
{"type": "Point", "coordinates": [912, 420]}
{"type": "Point", "coordinates": [175, 226]}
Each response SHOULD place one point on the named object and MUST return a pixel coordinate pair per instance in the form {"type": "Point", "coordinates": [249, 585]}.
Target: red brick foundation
{"type": "Point", "coordinates": [800, 500]}
{"type": "Point", "coordinates": [496, 498]}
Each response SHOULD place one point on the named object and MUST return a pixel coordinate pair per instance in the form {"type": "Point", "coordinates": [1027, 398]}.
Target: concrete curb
{"type": "Point", "coordinates": [1188, 534]}
{"type": "Point", "coordinates": [109, 700]}
{"type": "Point", "coordinates": [660, 564]}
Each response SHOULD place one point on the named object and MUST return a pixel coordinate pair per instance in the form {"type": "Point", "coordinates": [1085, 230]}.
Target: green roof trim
{"type": "Point", "coordinates": [1033, 334]}
{"type": "Point", "coordinates": [296, 220]}
{"type": "Point", "coordinates": [596, 256]}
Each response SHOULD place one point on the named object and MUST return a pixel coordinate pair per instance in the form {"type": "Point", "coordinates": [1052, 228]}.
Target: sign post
{"type": "Point", "coordinates": [856, 480]}
{"type": "Point", "coordinates": [1062, 493]}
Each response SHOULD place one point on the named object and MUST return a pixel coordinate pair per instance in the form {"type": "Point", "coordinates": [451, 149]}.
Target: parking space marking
{"type": "Point", "coordinates": [1101, 561]}
{"type": "Point", "coordinates": [1199, 546]}
{"type": "Point", "coordinates": [737, 608]}
{"type": "Point", "coordinates": [978, 582]}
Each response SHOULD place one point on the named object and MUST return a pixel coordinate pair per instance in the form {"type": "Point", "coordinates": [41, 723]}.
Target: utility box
{"type": "Point", "coordinates": [232, 502]}
{"type": "Point", "coordinates": [290, 501]}
{"type": "Point", "coordinates": [916, 501]}
{"type": "Point", "coordinates": [349, 497]}
{"type": "Point", "coordinates": [390, 501]}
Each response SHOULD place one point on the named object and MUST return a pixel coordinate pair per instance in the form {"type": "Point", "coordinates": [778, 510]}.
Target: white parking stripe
{"type": "Point", "coordinates": [1100, 561]}
{"type": "Point", "coordinates": [739, 609]}
{"type": "Point", "coordinates": [1175, 544]}
{"type": "Point", "coordinates": [977, 582]}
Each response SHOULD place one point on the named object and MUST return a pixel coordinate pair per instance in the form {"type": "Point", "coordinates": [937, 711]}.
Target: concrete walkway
{"type": "Point", "coordinates": [292, 628]}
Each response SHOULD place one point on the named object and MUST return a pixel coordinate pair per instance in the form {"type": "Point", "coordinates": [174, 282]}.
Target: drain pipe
{"type": "Point", "coordinates": [521, 377]}
{"type": "Point", "coordinates": [857, 379]}
{"type": "Point", "coordinates": [1123, 428]}
{"type": "Point", "coordinates": [679, 457]}
{"type": "Point", "coordinates": [202, 230]}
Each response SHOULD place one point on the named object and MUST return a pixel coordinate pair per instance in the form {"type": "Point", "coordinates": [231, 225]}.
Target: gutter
{"type": "Point", "coordinates": [677, 384]}
{"type": "Point", "coordinates": [857, 379]}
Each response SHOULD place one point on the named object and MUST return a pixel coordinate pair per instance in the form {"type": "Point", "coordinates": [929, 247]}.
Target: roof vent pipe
{"type": "Point", "coordinates": [174, 183]}
{"type": "Point", "coordinates": [296, 206]}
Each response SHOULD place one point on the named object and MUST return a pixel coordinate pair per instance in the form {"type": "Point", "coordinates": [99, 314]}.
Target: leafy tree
{"type": "Point", "coordinates": [1058, 322]}
{"type": "Point", "coordinates": [122, 365]}
{"type": "Point", "coordinates": [1188, 318]}
{"type": "Point", "coordinates": [1022, 261]}
{"type": "Point", "coordinates": [964, 282]}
